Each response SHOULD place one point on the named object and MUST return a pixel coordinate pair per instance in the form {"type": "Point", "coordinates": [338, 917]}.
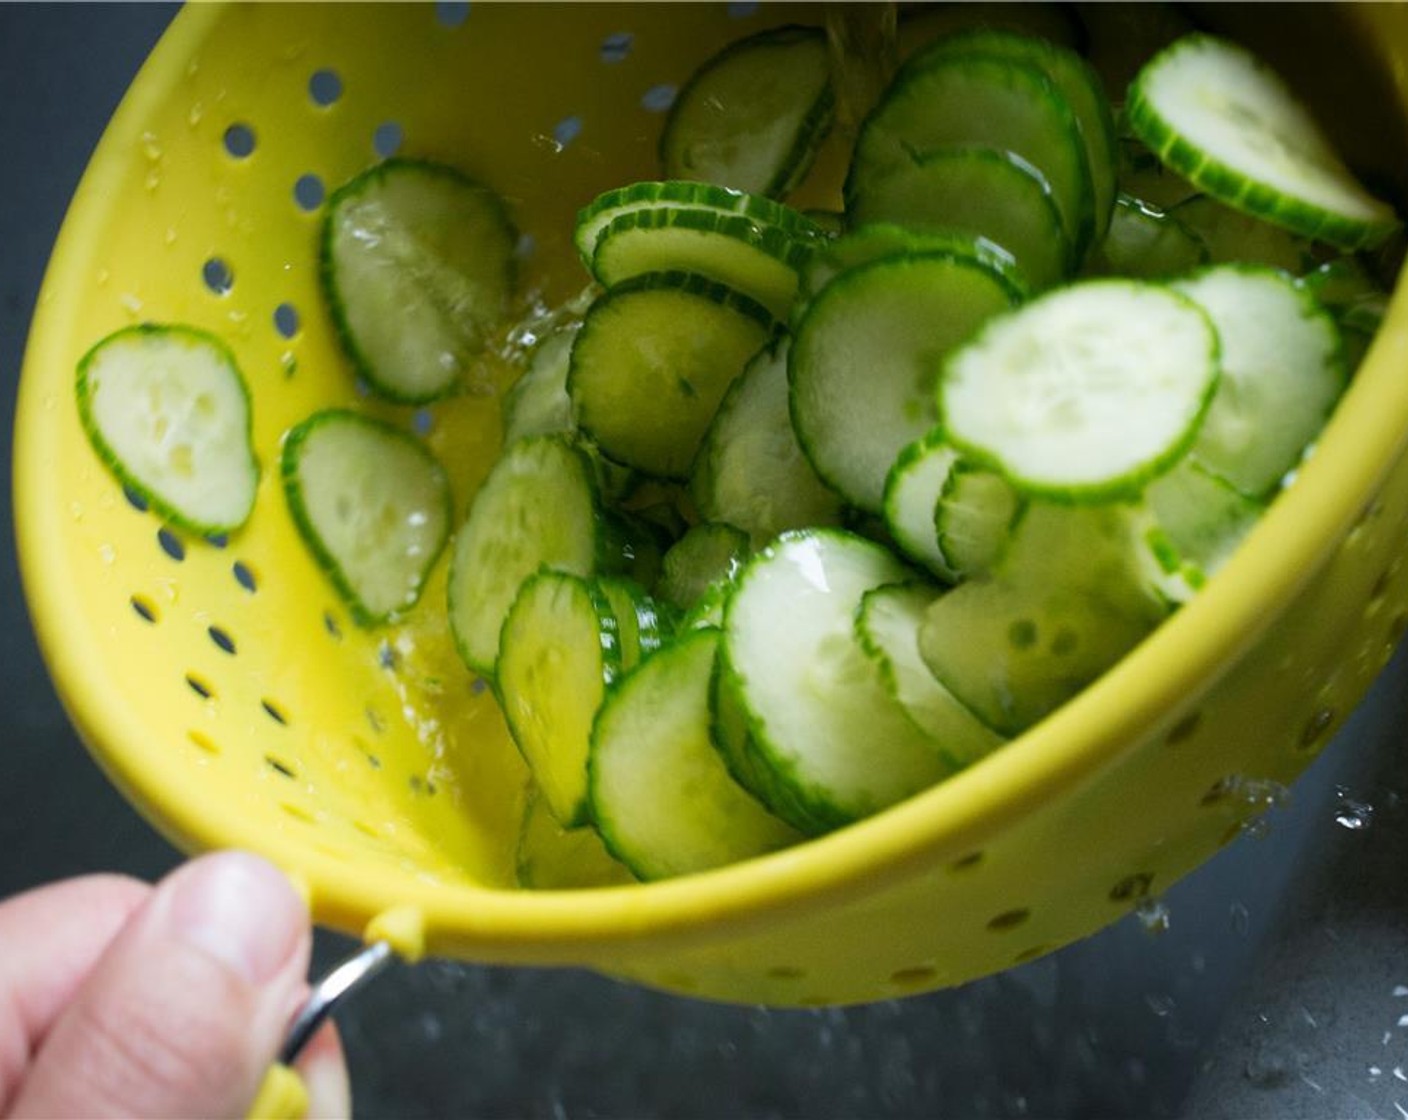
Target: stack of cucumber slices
{"type": "Point", "coordinates": [801, 513]}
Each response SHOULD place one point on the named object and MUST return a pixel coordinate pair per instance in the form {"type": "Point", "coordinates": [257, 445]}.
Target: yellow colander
{"type": "Point", "coordinates": [231, 699]}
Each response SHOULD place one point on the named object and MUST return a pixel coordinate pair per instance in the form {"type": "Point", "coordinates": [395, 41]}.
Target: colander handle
{"type": "Point", "coordinates": [348, 977]}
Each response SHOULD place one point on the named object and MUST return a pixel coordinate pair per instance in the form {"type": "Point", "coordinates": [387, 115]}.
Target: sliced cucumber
{"type": "Point", "coordinates": [1282, 372]}
{"type": "Point", "coordinates": [1086, 392]}
{"type": "Point", "coordinates": [1067, 602]}
{"type": "Point", "coordinates": [372, 505]}
{"type": "Point", "coordinates": [418, 267]}
{"type": "Point", "coordinates": [652, 362]}
{"type": "Point", "coordinates": [711, 552]}
{"type": "Point", "coordinates": [834, 746]}
{"type": "Point", "coordinates": [552, 858]}
{"type": "Point", "coordinates": [1345, 288]}
{"type": "Point", "coordinates": [1232, 237]}
{"type": "Point", "coordinates": [1202, 518]}
{"type": "Point", "coordinates": [912, 490]}
{"type": "Point", "coordinates": [680, 193]}
{"type": "Point", "coordinates": [558, 653]}
{"type": "Point", "coordinates": [538, 507]}
{"type": "Point", "coordinates": [973, 519]}
{"type": "Point", "coordinates": [1143, 176]}
{"type": "Point", "coordinates": [1219, 116]}
{"type": "Point", "coordinates": [754, 115]}
{"type": "Point", "coordinates": [757, 260]}
{"type": "Point", "coordinates": [167, 409]}
{"type": "Point", "coordinates": [537, 403]}
{"type": "Point", "coordinates": [661, 795]}
{"type": "Point", "coordinates": [887, 625]}
{"type": "Point", "coordinates": [750, 470]}
{"type": "Point", "coordinates": [977, 99]}
{"type": "Point", "coordinates": [974, 192]}
{"type": "Point", "coordinates": [641, 624]}
{"type": "Point", "coordinates": [1146, 243]}
{"type": "Point", "coordinates": [865, 358]}
{"type": "Point", "coordinates": [1077, 83]}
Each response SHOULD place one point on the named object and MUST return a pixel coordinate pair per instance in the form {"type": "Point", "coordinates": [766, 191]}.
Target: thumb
{"type": "Point", "coordinates": [185, 1011]}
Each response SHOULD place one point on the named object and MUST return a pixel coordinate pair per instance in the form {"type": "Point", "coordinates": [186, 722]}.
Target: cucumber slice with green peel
{"type": "Point", "coordinates": [832, 223]}
{"type": "Point", "coordinates": [372, 505]}
{"type": "Point", "coordinates": [874, 240]}
{"type": "Point", "coordinates": [1232, 237]}
{"type": "Point", "coordinates": [754, 115]}
{"type": "Point", "coordinates": [417, 262]}
{"type": "Point", "coordinates": [708, 609]}
{"type": "Point", "coordinates": [887, 625]}
{"type": "Point", "coordinates": [558, 653]}
{"type": "Point", "coordinates": [1074, 80]}
{"type": "Point", "coordinates": [1283, 370]}
{"type": "Point", "coordinates": [1346, 289]}
{"type": "Point", "coordinates": [974, 517]}
{"type": "Point", "coordinates": [728, 729]}
{"type": "Point", "coordinates": [661, 796]}
{"type": "Point", "coordinates": [1085, 393]}
{"type": "Point", "coordinates": [168, 411]}
{"type": "Point", "coordinates": [978, 99]}
{"type": "Point", "coordinates": [865, 357]}
{"type": "Point", "coordinates": [711, 552]}
{"type": "Point", "coordinates": [912, 490]}
{"type": "Point", "coordinates": [537, 403]}
{"type": "Point", "coordinates": [642, 624]}
{"type": "Point", "coordinates": [1200, 520]}
{"type": "Point", "coordinates": [538, 507]}
{"type": "Point", "coordinates": [1146, 243]}
{"type": "Point", "coordinates": [974, 192]}
{"type": "Point", "coordinates": [1220, 117]}
{"type": "Point", "coordinates": [1067, 602]}
{"type": "Point", "coordinates": [672, 194]}
{"type": "Point", "coordinates": [750, 470]}
{"type": "Point", "coordinates": [652, 362]}
{"type": "Point", "coordinates": [833, 745]}
{"type": "Point", "coordinates": [551, 858]}
{"type": "Point", "coordinates": [731, 249]}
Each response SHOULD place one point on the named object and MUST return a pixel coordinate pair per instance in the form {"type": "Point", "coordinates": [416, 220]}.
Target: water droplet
{"type": "Point", "coordinates": [1352, 814]}
{"type": "Point", "coordinates": [1375, 1071]}
{"type": "Point", "coordinates": [1153, 916]}
{"type": "Point", "coordinates": [170, 235]}
{"type": "Point", "coordinates": [130, 303]}
{"type": "Point", "coordinates": [1257, 828]}
{"type": "Point", "coordinates": [153, 179]}
{"type": "Point", "coordinates": [1400, 990]}
{"type": "Point", "coordinates": [196, 114]}
{"type": "Point", "coordinates": [1398, 1073]}
{"type": "Point", "coordinates": [103, 276]}
{"type": "Point", "coordinates": [151, 146]}
{"type": "Point", "coordinates": [107, 554]}
{"type": "Point", "coordinates": [1160, 1005]}
{"type": "Point", "coordinates": [1403, 1020]}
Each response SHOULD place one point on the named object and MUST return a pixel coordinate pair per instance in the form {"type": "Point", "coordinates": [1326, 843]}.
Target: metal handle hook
{"type": "Point", "coordinates": [348, 977]}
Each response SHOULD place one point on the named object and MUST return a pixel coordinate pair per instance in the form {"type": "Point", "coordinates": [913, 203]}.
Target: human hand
{"type": "Point", "coordinates": [122, 999]}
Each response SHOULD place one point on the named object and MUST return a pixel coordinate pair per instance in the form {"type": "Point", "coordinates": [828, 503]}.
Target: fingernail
{"type": "Point", "coordinates": [241, 910]}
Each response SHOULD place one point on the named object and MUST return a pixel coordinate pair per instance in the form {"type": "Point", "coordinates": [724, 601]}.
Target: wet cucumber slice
{"type": "Point", "coordinates": [912, 490]}
{"type": "Point", "coordinates": [754, 115]}
{"type": "Point", "coordinates": [652, 362]}
{"type": "Point", "coordinates": [712, 552]}
{"type": "Point", "coordinates": [167, 409]}
{"type": "Point", "coordinates": [417, 263]}
{"type": "Point", "coordinates": [1220, 117]}
{"type": "Point", "coordinates": [1146, 243]}
{"type": "Point", "coordinates": [373, 506]}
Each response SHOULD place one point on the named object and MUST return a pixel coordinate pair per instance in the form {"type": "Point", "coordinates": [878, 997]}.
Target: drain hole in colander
{"type": "Point", "coordinates": [330, 624]}
{"type": "Point", "coordinates": [1008, 919]}
{"type": "Point", "coordinates": [135, 500]}
{"type": "Point", "coordinates": [615, 48]}
{"type": "Point", "coordinates": [1217, 793]}
{"type": "Point", "coordinates": [325, 87]}
{"type": "Point", "coordinates": [1380, 588]}
{"type": "Point", "coordinates": [387, 138]}
{"type": "Point", "coordinates": [566, 130]}
{"type": "Point", "coordinates": [170, 544]}
{"type": "Point", "coordinates": [274, 712]}
{"type": "Point", "coordinates": [218, 277]}
{"type": "Point", "coordinates": [286, 320]}
{"type": "Point", "coordinates": [659, 98]}
{"type": "Point", "coordinates": [222, 639]}
{"type": "Point", "coordinates": [145, 608]}
{"type": "Point", "coordinates": [239, 140]}
{"type": "Point", "coordinates": [913, 977]}
{"type": "Point", "coordinates": [200, 686]}
{"type": "Point", "coordinates": [423, 421]}
{"type": "Point", "coordinates": [1183, 729]}
{"type": "Point", "coordinates": [280, 766]}
{"type": "Point", "coordinates": [966, 863]}
{"type": "Point", "coordinates": [297, 812]}
{"type": "Point", "coordinates": [375, 720]}
{"type": "Point", "coordinates": [203, 741]}
{"type": "Point", "coordinates": [786, 972]}
{"type": "Point", "coordinates": [367, 829]}
{"type": "Point", "coordinates": [1132, 887]}
{"type": "Point", "coordinates": [451, 13]}
{"type": "Point", "coordinates": [1031, 954]}
{"type": "Point", "coordinates": [218, 540]}
{"type": "Point", "coordinates": [361, 744]}
{"type": "Point", "coordinates": [1315, 728]}
{"type": "Point", "coordinates": [1233, 831]}
{"type": "Point", "coordinates": [308, 192]}
{"type": "Point", "coordinates": [244, 576]}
